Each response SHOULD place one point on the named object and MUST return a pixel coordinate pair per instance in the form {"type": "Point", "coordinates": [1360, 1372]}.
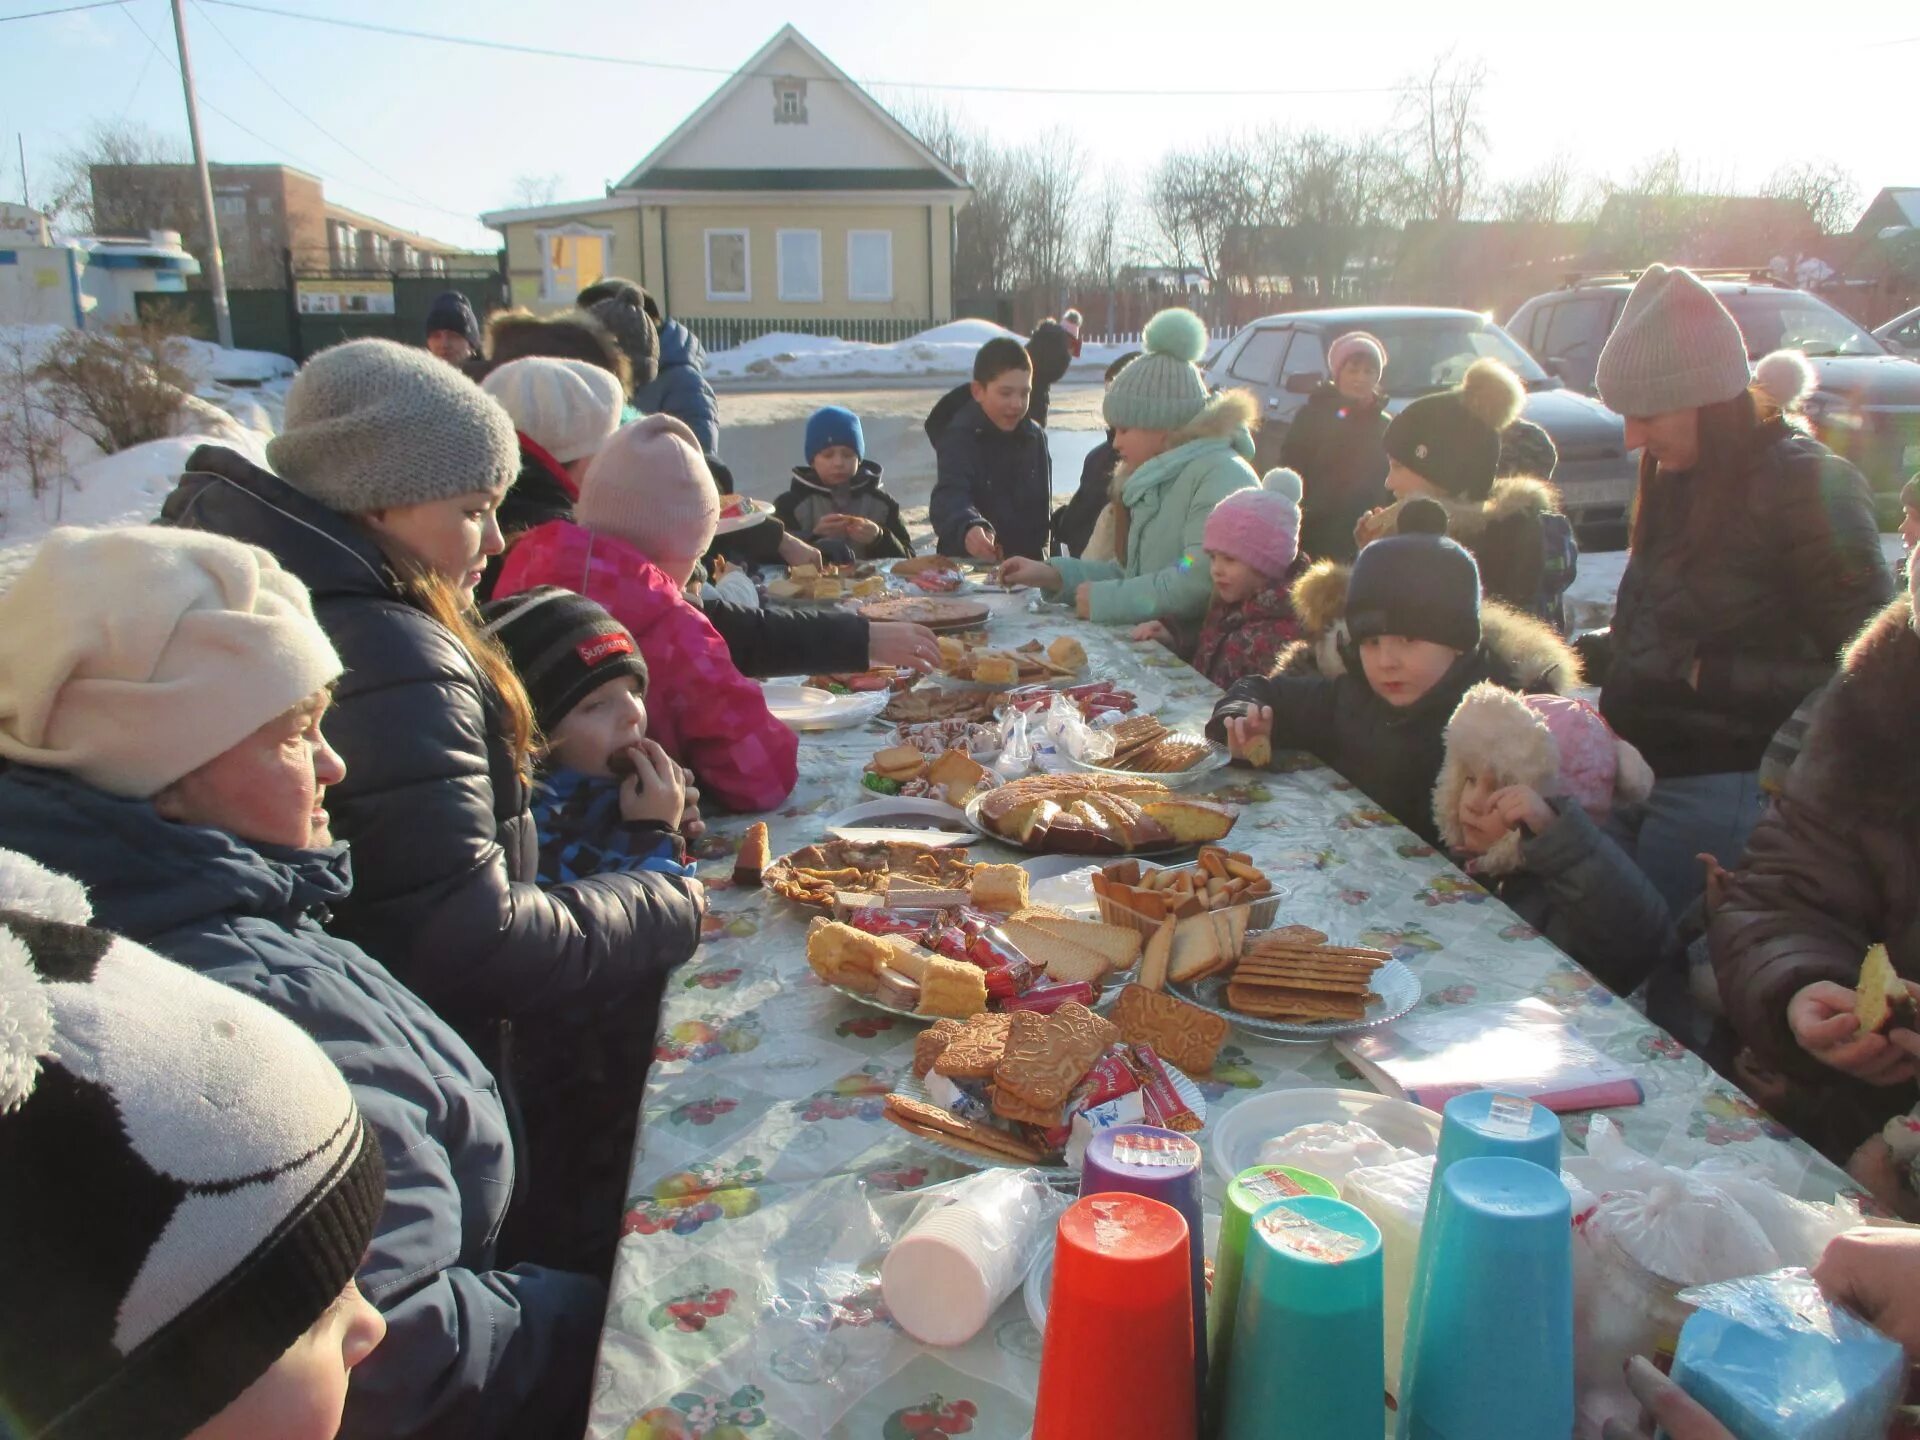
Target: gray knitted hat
{"type": "Point", "coordinates": [371, 424]}
{"type": "Point", "coordinates": [1163, 389]}
{"type": "Point", "coordinates": [1675, 348]}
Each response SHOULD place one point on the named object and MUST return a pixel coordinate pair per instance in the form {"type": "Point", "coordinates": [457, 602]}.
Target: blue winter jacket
{"type": "Point", "coordinates": [681, 388]}
{"type": "Point", "coordinates": [471, 1351]}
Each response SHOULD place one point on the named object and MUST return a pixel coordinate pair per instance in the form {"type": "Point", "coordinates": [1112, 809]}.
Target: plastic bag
{"type": "Point", "coordinates": [738, 586]}
{"type": "Point", "coordinates": [1770, 1356]}
{"type": "Point", "coordinates": [1331, 1150]}
{"type": "Point", "coordinates": [1070, 733]}
{"type": "Point", "coordinates": [965, 1248]}
{"type": "Point", "coordinates": [1394, 1197]}
{"type": "Point", "coordinates": [1016, 750]}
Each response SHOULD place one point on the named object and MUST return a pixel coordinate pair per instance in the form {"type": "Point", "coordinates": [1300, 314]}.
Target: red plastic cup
{"type": "Point", "coordinates": [1118, 1355]}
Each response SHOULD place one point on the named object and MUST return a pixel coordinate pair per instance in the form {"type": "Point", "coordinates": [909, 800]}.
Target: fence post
{"type": "Point", "coordinates": [295, 341]}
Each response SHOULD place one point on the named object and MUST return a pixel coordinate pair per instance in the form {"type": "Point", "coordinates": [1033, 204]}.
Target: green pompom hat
{"type": "Point", "coordinates": [1163, 389]}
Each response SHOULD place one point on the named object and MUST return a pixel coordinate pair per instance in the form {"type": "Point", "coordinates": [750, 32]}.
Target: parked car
{"type": "Point", "coordinates": [1282, 358]}
{"type": "Point", "coordinates": [1901, 334]}
{"type": "Point", "coordinates": [1866, 405]}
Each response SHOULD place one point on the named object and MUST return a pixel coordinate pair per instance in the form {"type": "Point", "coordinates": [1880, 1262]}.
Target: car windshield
{"type": "Point", "coordinates": [1785, 320]}
{"type": "Point", "coordinates": [1425, 356]}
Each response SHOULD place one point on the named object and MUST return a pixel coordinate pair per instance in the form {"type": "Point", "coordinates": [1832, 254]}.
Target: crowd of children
{"type": "Point", "coordinates": [404, 735]}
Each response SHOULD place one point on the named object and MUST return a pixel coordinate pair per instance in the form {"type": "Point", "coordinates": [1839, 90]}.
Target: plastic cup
{"type": "Point", "coordinates": [1250, 1192]}
{"type": "Point", "coordinates": [1308, 1358]}
{"type": "Point", "coordinates": [1118, 1354]}
{"type": "Point", "coordinates": [1163, 1165]}
{"type": "Point", "coordinates": [1485, 1122]}
{"type": "Point", "coordinates": [959, 1261]}
{"type": "Point", "coordinates": [1490, 1333]}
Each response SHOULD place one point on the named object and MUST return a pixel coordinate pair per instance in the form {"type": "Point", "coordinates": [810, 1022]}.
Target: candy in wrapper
{"type": "Point", "coordinates": [961, 1100]}
{"type": "Point", "coordinates": [887, 922]}
{"type": "Point", "coordinates": [1165, 1108]}
{"type": "Point", "coordinates": [1008, 971]}
{"type": "Point", "coordinates": [1044, 999]}
{"type": "Point", "coordinates": [1128, 1109]}
{"type": "Point", "coordinates": [1106, 1079]}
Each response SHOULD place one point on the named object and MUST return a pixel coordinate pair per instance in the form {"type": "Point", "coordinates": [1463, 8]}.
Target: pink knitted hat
{"type": "Point", "coordinates": [649, 485]}
{"type": "Point", "coordinates": [1260, 526]}
{"type": "Point", "coordinates": [1356, 342]}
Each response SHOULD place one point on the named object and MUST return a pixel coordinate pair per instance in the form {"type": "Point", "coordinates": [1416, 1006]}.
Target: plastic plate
{"type": "Point", "coordinates": [1396, 985]}
{"type": "Point", "coordinates": [1237, 1139]}
{"type": "Point", "coordinates": [804, 707]}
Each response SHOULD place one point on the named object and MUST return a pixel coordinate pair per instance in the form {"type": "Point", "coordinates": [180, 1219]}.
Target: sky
{"type": "Point", "coordinates": [428, 135]}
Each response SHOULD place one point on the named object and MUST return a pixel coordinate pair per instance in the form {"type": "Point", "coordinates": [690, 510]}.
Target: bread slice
{"type": "Point", "coordinates": [1883, 1001]}
{"type": "Point", "coordinates": [1061, 958]}
{"type": "Point", "coordinates": [1117, 943]}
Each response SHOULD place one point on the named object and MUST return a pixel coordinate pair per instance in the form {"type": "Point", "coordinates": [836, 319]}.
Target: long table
{"type": "Point", "coordinates": [746, 1302]}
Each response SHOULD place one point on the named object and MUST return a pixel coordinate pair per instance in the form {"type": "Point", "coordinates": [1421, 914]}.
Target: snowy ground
{"type": "Point", "coordinates": [944, 350]}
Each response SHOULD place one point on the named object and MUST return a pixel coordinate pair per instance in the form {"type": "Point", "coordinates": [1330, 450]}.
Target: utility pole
{"type": "Point", "coordinates": [25, 197]}
{"type": "Point", "coordinates": [216, 272]}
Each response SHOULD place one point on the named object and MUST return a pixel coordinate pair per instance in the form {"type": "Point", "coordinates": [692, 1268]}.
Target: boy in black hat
{"type": "Point", "coordinates": [453, 330]}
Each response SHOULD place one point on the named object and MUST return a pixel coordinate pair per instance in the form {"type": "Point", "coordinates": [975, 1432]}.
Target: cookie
{"type": "Point", "coordinates": [928, 1044]}
{"type": "Point", "coordinates": [936, 1124]}
{"type": "Point", "coordinates": [1183, 1034]}
{"type": "Point", "coordinates": [1009, 1106]}
{"type": "Point", "coordinates": [977, 1049]}
{"type": "Point", "coordinates": [1046, 1058]}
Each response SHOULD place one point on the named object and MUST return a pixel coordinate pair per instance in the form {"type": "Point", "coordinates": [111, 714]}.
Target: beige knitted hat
{"type": "Point", "coordinates": [1675, 348]}
{"type": "Point", "coordinates": [649, 486]}
{"type": "Point", "coordinates": [132, 657]}
{"type": "Point", "coordinates": [566, 407]}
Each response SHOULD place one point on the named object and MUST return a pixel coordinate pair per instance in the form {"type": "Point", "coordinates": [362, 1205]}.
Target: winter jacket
{"type": "Point", "coordinates": [781, 640]}
{"type": "Point", "coordinates": [681, 388]}
{"type": "Point", "coordinates": [808, 501]}
{"type": "Point", "coordinates": [1393, 753]}
{"type": "Point", "coordinates": [706, 714]}
{"type": "Point", "coordinates": [542, 491]}
{"type": "Point", "coordinates": [1794, 570]}
{"type": "Point", "coordinates": [1339, 447]}
{"type": "Point", "coordinates": [990, 476]}
{"type": "Point", "coordinates": [1832, 867]}
{"type": "Point", "coordinates": [1506, 533]}
{"type": "Point", "coordinates": [1050, 348]}
{"type": "Point", "coordinates": [471, 1349]}
{"type": "Point", "coordinates": [1073, 522]}
{"type": "Point", "coordinates": [1585, 894]}
{"type": "Point", "coordinates": [582, 831]}
{"type": "Point", "coordinates": [1168, 500]}
{"type": "Point", "coordinates": [1235, 641]}
{"type": "Point", "coordinates": [433, 804]}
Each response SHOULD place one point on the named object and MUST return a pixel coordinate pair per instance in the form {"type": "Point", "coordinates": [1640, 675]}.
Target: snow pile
{"type": "Point", "coordinates": [209, 364]}
{"type": "Point", "coordinates": [944, 350]}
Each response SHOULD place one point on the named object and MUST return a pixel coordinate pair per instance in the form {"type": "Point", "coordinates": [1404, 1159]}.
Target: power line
{"type": "Point", "coordinates": [513, 47]}
{"type": "Point", "coordinates": [63, 10]}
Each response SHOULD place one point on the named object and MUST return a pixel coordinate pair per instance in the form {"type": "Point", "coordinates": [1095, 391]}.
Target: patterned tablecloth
{"type": "Point", "coordinates": [745, 1300]}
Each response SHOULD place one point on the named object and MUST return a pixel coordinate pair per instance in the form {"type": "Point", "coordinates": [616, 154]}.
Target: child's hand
{"type": "Point", "coordinates": [981, 544]}
{"type": "Point", "coordinates": [1370, 526]}
{"type": "Point", "coordinates": [898, 642]}
{"type": "Point", "coordinates": [856, 528]}
{"type": "Point", "coordinates": [1083, 600]}
{"type": "Point", "coordinates": [1154, 630]}
{"type": "Point", "coordinates": [1717, 877]}
{"type": "Point", "coordinates": [795, 551]}
{"type": "Point", "coordinates": [1822, 1019]}
{"type": "Point", "coordinates": [1519, 805]}
{"type": "Point", "coordinates": [1250, 736]}
{"type": "Point", "coordinates": [655, 790]}
{"type": "Point", "coordinates": [1871, 1271]}
{"type": "Point", "coordinates": [692, 827]}
{"type": "Point", "coordinates": [1022, 571]}
{"type": "Point", "coordinates": [1677, 1414]}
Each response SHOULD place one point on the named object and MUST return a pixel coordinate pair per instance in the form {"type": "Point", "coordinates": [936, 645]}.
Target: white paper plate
{"type": "Point", "coordinates": [1396, 985]}
{"type": "Point", "coordinates": [1038, 1288]}
{"type": "Point", "coordinates": [804, 707]}
{"type": "Point", "coordinates": [1236, 1140]}
{"type": "Point", "coordinates": [906, 818]}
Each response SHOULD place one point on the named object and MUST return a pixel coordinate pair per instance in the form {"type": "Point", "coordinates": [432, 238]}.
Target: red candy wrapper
{"type": "Point", "coordinates": [1008, 971]}
{"type": "Point", "coordinates": [886, 922]}
{"type": "Point", "coordinates": [1165, 1108]}
{"type": "Point", "coordinates": [1044, 999]}
{"type": "Point", "coordinates": [1109, 1079]}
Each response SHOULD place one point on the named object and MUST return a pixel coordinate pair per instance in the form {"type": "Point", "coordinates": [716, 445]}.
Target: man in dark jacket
{"type": "Point", "coordinates": [1051, 348]}
{"type": "Point", "coordinates": [453, 331]}
{"type": "Point", "coordinates": [995, 479]}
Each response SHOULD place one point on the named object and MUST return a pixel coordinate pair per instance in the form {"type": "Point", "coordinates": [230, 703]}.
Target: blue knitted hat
{"type": "Point", "coordinates": [1163, 389]}
{"type": "Point", "coordinates": [834, 425]}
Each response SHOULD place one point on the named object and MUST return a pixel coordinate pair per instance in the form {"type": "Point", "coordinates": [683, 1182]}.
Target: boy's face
{"type": "Point", "coordinates": [1480, 826]}
{"type": "Point", "coordinates": [1401, 670]}
{"type": "Point", "coordinates": [1909, 526]}
{"type": "Point", "coordinates": [612, 719]}
{"type": "Point", "coordinates": [1136, 447]}
{"type": "Point", "coordinates": [1234, 581]}
{"type": "Point", "coordinates": [270, 788]}
{"type": "Point", "coordinates": [301, 1396]}
{"type": "Point", "coordinates": [1005, 397]}
{"type": "Point", "coordinates": [836, 464]}
{"type": "Point", "coordinates": [1405, 483]}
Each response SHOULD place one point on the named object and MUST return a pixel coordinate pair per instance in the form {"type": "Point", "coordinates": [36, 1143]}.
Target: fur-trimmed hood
{"type": "Point", "coordinates": [1469, 520]}
{"type": "Point", "coordinates": [1232, 415]}
{"type": "Point", "coordinates": [1860, 757]}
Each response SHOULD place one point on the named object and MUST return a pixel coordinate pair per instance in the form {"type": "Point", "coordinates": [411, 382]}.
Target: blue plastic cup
{"type": "Point", "coordinates": [1485, 1122]}
{"type": "Point", "coordinates": [1308, 1354]}
{"type": "Point", "coordinates": [1492, 1306]}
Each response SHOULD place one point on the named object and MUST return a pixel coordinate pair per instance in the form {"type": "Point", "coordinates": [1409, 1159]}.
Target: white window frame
{"type": "Point", "coordinates": [854, 293]}
{"type": "Point", "coordinates": [746, 255]}
{"type": "Point", "coordinates": [789, 294]}
{"type": "Point", "coordinates": [547, 233]}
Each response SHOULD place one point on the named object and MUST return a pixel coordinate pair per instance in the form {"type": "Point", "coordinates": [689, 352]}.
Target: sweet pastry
{"type": "Point", "coordinates": [750, 863]}
{"type": "Point", "coordinates": [1068, 653]}
{"type": "Point", "coordinates": [1002, 888]}
{"type": "Point", "coordinates": [1883, 1002]}
{"type": "Point", "coordinates": [935, 1123]}
{"type": "Point", "coordinates": [842, 955]}
{"type": "Point", "coordinates": [1097, 814]}
{"type": "Point", "coordinates": [1191, 822]}
{"type": "Point", "coordinates": [895, 989]}
{"type": "Point", "coordinates": [1060, 957]}
{"type": "Point", "coordinates": [1183, 1034]}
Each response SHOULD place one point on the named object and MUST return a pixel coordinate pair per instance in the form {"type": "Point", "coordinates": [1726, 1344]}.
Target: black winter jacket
{"type": "Point", "coordinates": [443, 841]}
{"type": "Point", "coordinates": [1339, 447]}
{"type": "Point", "coordinates": [1073, 522]}
{"type": "Point", "coordinates": [1050, 348]}
{"type": "Point", "coordinates": [779, 640]}
{"type": "Point", "coordinates": [807, 501]}
{"type": "Point", "coordinates": [542, 491]}
{"type": "Point", "coordinates": [997, 477]}
{"type": "Point", "coordinates": [1795, 570]}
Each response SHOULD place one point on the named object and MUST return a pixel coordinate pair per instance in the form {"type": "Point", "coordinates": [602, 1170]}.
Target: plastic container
{"type": "Point", "coordinates": [1118, 1354]}
{"type": "Point", "coordinates": [1394, 1197]}
{"type": "Point", "coordinates": [961, 1257]}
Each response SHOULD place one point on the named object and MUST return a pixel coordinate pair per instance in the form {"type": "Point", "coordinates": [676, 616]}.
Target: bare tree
{"type": "Point", "coordinates": [1049, 210]}
{"type": "Point", "coordinates": [1830, 193]}
{"type": "Point", "coordinates": [528, 191]}
{"type": "Point", "coordinates": [1194, 201]}
{"type": "Point", "coordinates": [1104, 240]}
{"type": "Point", "coordinates": [138, 201]}
{"type": "Point", "coordinates": [1549, 195]}
{"type": "Point", "coordinates": [33, 416]}
{"type": "Point", "coordinates": [1444, 136]}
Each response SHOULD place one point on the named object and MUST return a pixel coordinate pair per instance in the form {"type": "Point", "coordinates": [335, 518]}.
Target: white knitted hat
{"type": "Point", "coordinates": [566, 407]}
{"type": "Point", "coordinates": [1675, 348]}
{"type": "Point", "coordinates": [649, 485]}
{"type": "Point", "coordinates": [131, 657]}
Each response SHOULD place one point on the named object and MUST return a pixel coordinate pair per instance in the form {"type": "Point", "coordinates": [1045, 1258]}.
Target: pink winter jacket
{"type": "Point", "coordinates": [706, 714]}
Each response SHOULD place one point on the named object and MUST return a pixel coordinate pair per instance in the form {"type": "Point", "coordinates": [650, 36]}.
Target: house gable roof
{"type": "Point", "coordinates": [724, 144]}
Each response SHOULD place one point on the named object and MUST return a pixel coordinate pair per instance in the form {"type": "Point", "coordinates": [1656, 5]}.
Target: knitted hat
{"type": "Point", "coordinates": [453, 311]}
{"type": "Point", "coordinates": [575, 335]}
{"type": "Point", "coordinates": [1163, 389]}
{"type": "Point", "coordinates": [1786, 377]}
{"type": "Point", "coordinates": [1417, 583]}
{"type": "Point", "coordinates": [834, 425]}
{"type": "Point", "coordinates": [650, 487]}
{"type": "Point", "coordinates": [620, 305]}
{"type": "Point", "coordinates": [1453, 439]}
{"type": "Point", "coordinates": [1558, 746]}
{"type": "Point", "coordinates": [1675, 348]}
{"type": "Point", "coordinates": [131, 657]}
{"type": "Point", "coordinates": [1259, 526]}
{"type": "Point", "coordinates": [1353, 344]}
{"type": "Point", "coordinates": [565, 647]}
{"type": "Point", "coordinates": [1071, 322]}
{"type": "Point", "coordinates": [566, 407]}
{"type": "Point", "coordinates": [185, 1183]}
{"type": "Point", "coordinates": [371, 424]}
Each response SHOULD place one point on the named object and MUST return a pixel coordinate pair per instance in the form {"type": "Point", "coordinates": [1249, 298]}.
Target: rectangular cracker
{"type": "Point", "coordinates": [977, 1049]}
{"type": "Point", "coordinates": [1153, 960]}
{"type": "Point", "coordinates": [936, 1124]}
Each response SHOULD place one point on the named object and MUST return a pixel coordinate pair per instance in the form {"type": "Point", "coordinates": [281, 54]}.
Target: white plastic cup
{"type": "Point", "coordinates": [954, 1267]}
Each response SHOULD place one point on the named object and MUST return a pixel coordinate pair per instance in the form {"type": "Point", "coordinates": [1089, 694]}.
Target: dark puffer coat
{"type": "Point", "coordinates": [1003, 478]}
{"type": "Point", "coordinates": [473, 1349]}
{"type": "Point", "coordinates": [1339, 447]}
{"type": "Point", "coordinates": [780, 640]}
{"type": "Point", "coordinates": [542, 491]}
{"type": "Point", "coordinates": [1794, 571]}
{"type": "Point", "coordinates": [808, 501]}
{"type": "Point", "coordinates": [681, 389]}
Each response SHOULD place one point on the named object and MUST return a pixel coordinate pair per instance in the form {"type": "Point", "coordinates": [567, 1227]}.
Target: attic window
{"type": "Point", "coordinates": [789, 101]}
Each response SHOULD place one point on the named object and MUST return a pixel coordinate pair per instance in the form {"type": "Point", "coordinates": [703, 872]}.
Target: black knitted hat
{"type": "Point", "coordinates": [565, 647]}
{"type": "Point", "coordinates": [1453, 439]}
{"type": "Point", "coordinates": [621, 306]}
{"type": "Point", "coordinates": [1417, 583]}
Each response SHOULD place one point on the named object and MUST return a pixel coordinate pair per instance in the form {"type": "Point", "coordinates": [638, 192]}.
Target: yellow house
{"type": "Point", "coordinates": [790, 200]}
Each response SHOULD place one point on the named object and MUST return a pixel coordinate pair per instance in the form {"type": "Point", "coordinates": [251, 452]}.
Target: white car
{"type": "Point", "coordinates": [1902, 334]}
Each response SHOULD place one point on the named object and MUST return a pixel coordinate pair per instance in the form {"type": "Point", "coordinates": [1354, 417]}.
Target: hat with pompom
{"type": "Point", "coordinates": [1556, 745]}
{"type": "Point", "coordinates": [1163, 389]}
{"type": "Point", "coordinates": [1354, 345]}
{"type": "Point", "coordinates": [1453, 439]}
{"type": "Point", "coordinates": [1785, 377]}
{"type": "Point", "coordinates": [1260, 526]}
{"type": "Point", "coordinates": [1676, 347]}
{"type": "Point", "coordinates": [1417, 584]}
